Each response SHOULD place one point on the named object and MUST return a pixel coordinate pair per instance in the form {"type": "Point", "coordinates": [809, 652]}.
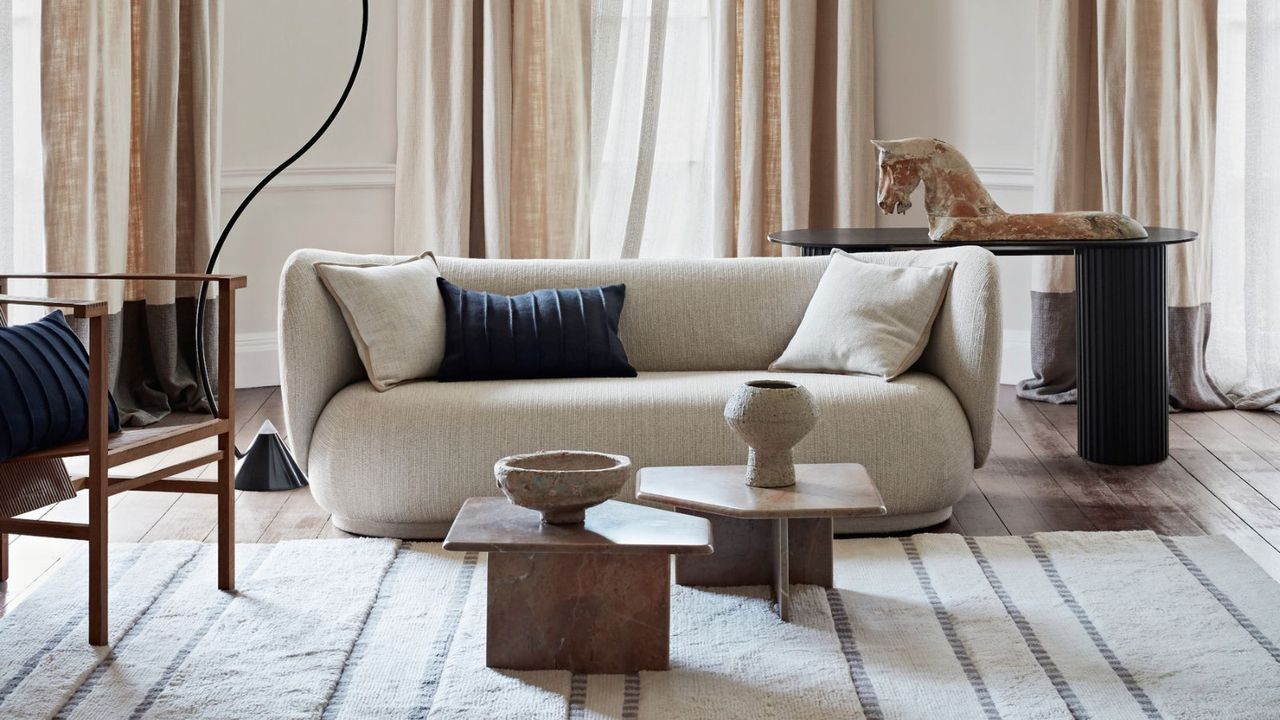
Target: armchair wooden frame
{"type": "Point", "coordinates": [107, 451]}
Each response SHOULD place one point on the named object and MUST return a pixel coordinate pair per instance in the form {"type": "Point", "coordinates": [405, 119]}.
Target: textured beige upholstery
{"type": "Point", "coordinates": [402, 462]}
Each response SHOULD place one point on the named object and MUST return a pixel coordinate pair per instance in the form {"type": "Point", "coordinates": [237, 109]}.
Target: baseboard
{"type": "Point", "coordinates": [257, 360]}
{"type": "Point", "coordinates": [1015, 360]}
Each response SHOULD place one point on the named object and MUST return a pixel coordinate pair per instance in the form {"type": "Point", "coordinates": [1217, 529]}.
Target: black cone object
{"type": "Point", "coordinates": [268, 464]}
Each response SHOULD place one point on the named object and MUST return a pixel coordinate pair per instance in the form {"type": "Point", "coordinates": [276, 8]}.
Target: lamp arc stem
{"type": "Point", "coordinates": [201, 361]}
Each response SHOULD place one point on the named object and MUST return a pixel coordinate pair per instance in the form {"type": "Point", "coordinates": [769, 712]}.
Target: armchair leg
{"type": "Point", "coordinates": [4, 557]}
{"type": "Point", "coordinates": [227, 513]}
{"type": "Point", "coordinates": [98, 409]}
{"type": "Point", "coordinates": [98, 563]}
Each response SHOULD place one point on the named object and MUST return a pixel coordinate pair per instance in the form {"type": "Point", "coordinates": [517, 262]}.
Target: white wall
{"type": "Point", "coordinates": [962, 71]}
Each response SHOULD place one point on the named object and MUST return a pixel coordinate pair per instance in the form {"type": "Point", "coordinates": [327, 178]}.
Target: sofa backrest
{"type": "Point", "coordinates": [697, 314]}
{"type": "Point", "coordinates": [707, 314]}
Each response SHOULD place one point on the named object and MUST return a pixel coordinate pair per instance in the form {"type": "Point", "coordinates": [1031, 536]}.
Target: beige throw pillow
{"type": "Point", "coordinates": [867, 318]}
{"type": "Point", "coordinates": [395, 315]}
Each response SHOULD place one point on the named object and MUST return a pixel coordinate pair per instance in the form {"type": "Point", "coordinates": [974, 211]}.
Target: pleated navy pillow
{"type": "Point", "coordinates": [540, 334]}
{"type": "Point", "coordinates": [44, 387]}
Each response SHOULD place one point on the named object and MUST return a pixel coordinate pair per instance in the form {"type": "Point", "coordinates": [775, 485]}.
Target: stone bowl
{"type": "Point", "coordinates": [562, 484]}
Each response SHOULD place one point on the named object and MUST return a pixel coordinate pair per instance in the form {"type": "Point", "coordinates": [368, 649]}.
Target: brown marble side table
{"type": "Point", "coordinates": [763, 536]}
{"type": "Point", "coordinates": [591, 598]}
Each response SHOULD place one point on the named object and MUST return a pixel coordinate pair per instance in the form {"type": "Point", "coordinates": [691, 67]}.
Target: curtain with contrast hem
{"type": "Point", "coordinates": [131, 95]}
{"type": "Point", "coordinates": [1127, 123]}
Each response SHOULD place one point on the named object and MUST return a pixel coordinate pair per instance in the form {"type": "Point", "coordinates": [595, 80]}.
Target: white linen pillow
{"type": "Point", "coordinates": [395, 315]}
{"type": "Point", "coordinates": [867, 318]}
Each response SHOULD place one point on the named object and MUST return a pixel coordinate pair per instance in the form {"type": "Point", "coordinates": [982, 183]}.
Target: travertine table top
{"type": "Point", "coordinates": [613, 527]}
{"type": "Point", "coordinates": [821, 490]}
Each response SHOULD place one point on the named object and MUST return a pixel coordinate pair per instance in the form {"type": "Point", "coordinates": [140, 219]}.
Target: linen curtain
{"type": "Point", "coordinates": [1244, 342]}
{"type": "Point", "coordinates": [625, 128]}
{"type": "Point", "coordinates": [1127, 124]}
{"type": "Point", "coordinates": [131, 100]}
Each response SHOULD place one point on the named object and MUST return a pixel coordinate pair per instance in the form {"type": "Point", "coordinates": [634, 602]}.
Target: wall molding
{"type": "Point", "coordinates": [383, 175]}
{"type": "Point", "coordinates": [314, 177]}
{"type": "Point", "coordinates": [1007, 177]}
{"type": "Point", "coordinates": [257, 359]}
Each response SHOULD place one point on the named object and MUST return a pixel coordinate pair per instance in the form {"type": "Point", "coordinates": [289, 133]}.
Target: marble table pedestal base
{"type": "Point", "coordinates": [763, 536]}
{"type": "Point", "coordinates": [775, 552]}
{"type": "Point", "coordinates": [589, 598]}
{"type": "Point", "coordinates": [588, 613]}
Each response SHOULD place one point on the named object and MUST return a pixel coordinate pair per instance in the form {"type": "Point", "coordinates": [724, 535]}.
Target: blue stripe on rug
{"type": "Point", "coordinates": [444, 638]}
{"type": "Point", "coordinates": [211, 617]}
{"type": "Point", "coordinates": [75, 619]}
{"type": "Point", "coordinates": [857, 668]}
{"type": "Point", "coordinates": [1051, 571]}
{"type": "Point", "coordinates": [1028, 633]}
{"type": "Point", "coordinates": [631, 697]}
{"type": "Point", "coordinates": [1236, 613]}
{"type": "Point", "coordinates": [109, 659]}
{"type": "Point", "coordinates": [371, 622]}
{"type": "Point", "coordinates": [949, 630]}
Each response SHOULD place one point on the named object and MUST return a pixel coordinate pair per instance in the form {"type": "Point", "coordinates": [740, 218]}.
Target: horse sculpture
{"type": "Point", "coordinates": [960, 208]}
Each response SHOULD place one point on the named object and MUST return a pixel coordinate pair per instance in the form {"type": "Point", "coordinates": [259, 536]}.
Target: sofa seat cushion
{"type": "Point", "coordinates": [413, 454]}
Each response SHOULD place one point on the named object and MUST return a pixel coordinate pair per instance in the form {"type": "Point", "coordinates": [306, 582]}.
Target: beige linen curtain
{"type": "Point", "coordinates": [612, 128]}
{"type": "Point", "coordinates": [131, 101]}
{"type": "Point", "coordinates": [1126, 123]}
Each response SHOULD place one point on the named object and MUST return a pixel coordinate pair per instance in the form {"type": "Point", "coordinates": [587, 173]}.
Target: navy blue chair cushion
{"type": "Point", "coordinates": [44, 387]}
{"type": "Point", "coordinates": [540, 334]}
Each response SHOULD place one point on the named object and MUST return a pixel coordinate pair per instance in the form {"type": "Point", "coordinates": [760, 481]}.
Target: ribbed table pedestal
{"type": "Point", "coordinates": [1122, 354]}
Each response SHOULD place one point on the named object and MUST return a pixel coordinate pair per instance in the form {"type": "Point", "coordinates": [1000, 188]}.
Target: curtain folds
{"type": "Point", "coordinates": [1244, 342]}
{"type": "Point", "coordinates": [1127, 124]}
{"type": "Point", "coordinates": [131, 96]}
{"type": "Point", "coordinates": [626, 128]}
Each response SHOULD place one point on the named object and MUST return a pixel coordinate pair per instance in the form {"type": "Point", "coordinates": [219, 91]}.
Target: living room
{"type": "Point", "coordinates": [639, 359]}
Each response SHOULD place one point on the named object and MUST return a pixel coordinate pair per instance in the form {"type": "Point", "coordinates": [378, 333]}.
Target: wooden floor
{"type": "Point", "coordinates": [1222, 477]}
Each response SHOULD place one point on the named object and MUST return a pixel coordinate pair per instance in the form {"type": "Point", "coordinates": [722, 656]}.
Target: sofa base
{"type": "Point", "coordinates": [846, 526]}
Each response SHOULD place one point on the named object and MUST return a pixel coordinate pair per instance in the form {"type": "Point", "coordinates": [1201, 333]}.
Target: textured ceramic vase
{"type": "Point", "coordinates": [771, 416]}
{"type": "Point", "coordinates": [562, 484]}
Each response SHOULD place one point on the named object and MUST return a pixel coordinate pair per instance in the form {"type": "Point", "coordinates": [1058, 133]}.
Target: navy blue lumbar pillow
{"type": "Point", "coordinates": [540, 334]}
{"type": "Point", "coordinates": [44, 387]}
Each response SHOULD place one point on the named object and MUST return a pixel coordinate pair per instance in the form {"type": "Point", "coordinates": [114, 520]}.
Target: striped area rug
{"type": "Point", "coordinates": [1058, 625]}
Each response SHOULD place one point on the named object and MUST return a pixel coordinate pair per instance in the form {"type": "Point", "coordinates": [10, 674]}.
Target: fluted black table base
{"type": "Point", "coordinates": [1121, 337]}
{"type": "Point", "coordinates": [1122, 374]}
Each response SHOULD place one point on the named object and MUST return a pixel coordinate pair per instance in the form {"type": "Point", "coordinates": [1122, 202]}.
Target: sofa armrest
{"type": "Point", "coordinates": [965, 346]}
{"type": "Point", "coordinates": [317, 355]}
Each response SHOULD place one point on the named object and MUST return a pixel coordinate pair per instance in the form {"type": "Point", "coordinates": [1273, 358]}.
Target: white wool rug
{"type": "Point", "coordinates": [1058, 625]}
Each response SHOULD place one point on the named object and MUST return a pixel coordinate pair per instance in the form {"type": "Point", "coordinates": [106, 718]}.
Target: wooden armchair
{"type": "Point", "coordinates": [107, 451]}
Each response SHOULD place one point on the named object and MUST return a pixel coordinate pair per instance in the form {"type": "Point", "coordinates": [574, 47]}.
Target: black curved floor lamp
{"type": "Point", "coordinates": [267, 465]}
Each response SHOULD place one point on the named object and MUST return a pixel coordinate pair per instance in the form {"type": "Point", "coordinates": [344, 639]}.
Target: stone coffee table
{"type": "Point", "coordinates": [763, 536]}
{"type": "Point", "coordinates": [591, 598]}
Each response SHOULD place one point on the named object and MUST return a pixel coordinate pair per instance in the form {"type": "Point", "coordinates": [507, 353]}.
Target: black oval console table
{"type": "Point", "coordinates": [1121, 315]}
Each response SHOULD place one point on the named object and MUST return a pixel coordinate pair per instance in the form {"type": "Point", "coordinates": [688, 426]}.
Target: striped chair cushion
{"type": "Point", "coordinates": [32, 484]}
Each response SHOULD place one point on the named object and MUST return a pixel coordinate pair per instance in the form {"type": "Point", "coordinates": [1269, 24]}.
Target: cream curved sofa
{"type": "Point", "coordinates": [400, 463]}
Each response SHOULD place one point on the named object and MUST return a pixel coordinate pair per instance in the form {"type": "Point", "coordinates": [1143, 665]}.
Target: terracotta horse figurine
{"type": "Point", "coordinates": [960, 208]}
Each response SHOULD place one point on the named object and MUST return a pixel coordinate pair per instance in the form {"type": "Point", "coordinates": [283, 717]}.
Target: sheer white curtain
{"type": "Point", "coordinates": [627, 128]}
{"type": "Point", "coordinates": [654, 87]}
{"type": "Point", "coordinates": [1244, 342]}
{"type": "Point", "coordinates": [24, 218]}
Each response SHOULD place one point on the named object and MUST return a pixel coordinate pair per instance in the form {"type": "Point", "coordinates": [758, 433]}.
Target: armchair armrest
{"type": "Point", "coordinates": [235, 282]}
{"type": "Point", "coordinates": [79, 308]}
